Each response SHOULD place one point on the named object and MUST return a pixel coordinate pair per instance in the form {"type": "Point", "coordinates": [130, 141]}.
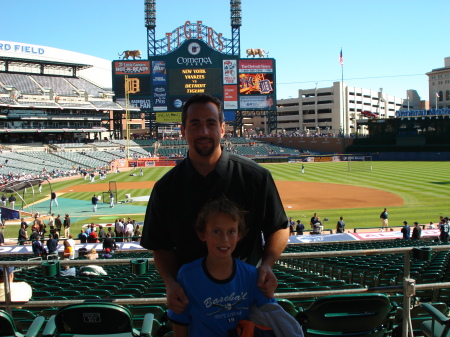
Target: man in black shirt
{"type": "Point", "coordinates": [210, 173]}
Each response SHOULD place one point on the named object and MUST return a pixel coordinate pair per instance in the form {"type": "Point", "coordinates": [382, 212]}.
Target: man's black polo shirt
{"type": "Point", "coordinates": [179, 195]}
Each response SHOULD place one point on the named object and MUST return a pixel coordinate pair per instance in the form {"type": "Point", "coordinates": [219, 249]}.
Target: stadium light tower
{"type": "Point", "coordinates": [150, 23]}
{"type": "Point", "coordinates": [236, 23]}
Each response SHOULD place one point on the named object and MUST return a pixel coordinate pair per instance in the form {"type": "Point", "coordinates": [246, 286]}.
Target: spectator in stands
{"type": "Point", "coordinates": [292, 226]}
{"type": "Point", "coordinates": [109, 243]}
{"type": "Point", "coordinates": [92, 255]}
{"type": "Point", "coordinates": [12, 201]}
{"type": "Point", "coordinates": [317, 227]}
{"type": "Point", "coordinates": [90, 228]}
{"type": "Point", "coordinates": [93, 237]}
{"type": "Point", "coordinates": [384, 219]}
{"type": "Point", "coordinates": [210, 172]}
{"type": "Point", "coordinates": [129, 231]}
{"type": "Point", "coordinates": [444, 227]}
{"type": "Point", "coordinates": [300, 227]}
{"type": "Point", "coordinates": [66, 225]}
{"type": "Point", "coordinates": [417, 232]}
{"type": "Point", "coordinates": [431, 225]}
{"type": "Point", "coordinates": [53, 199]}
{"type": "Point", "coordinates": [101, 233]}
{"type": "Point", "coordinates": [68, 250]}
{"type": "Point", "coordinates": [72, 244]}
{"type": "Point", "coordinates": [23, 236]}
{"type": "Point", "coordinates": [95, 202]}
{"type": "Point", "coordinates": [119, 229]}
{"type": "Point", "coordinates": [52, 245]}
{"type": "Point", "coordinates": [38, 247]}
{"type": "Point", "coordinates": [20, 291]}
{"type": "Point", "coordinates": [340, 226]}
{"type": "Point", "coordinates": [220, 224]}
{"type": "Point", "coordinates": [33, 236]}
{"type": "Point", "coordinates": [51, 222]}
{"type": "Point", "coordinates": [58, 223]}
{"type": "Point", "coordinates": [23, 222]}
{"type": "Point", "coordinates": [82, 236]}
{"type": "Point", "coordinates": [406, 231]}
{"type": "Point", "coordinates": [107, 254]}
{"type": "Point", "coordinates": [68, 271]}
{"type": "Point", "coordinates": [313, 220]}
{"type": "Point", "coordinates": [137, 233]}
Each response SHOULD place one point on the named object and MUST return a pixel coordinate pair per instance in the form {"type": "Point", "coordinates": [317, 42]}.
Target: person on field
{"type": "Point", "coordinates": [384, 219]}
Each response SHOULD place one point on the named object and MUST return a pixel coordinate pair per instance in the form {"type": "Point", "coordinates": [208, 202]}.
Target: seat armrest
{"type": "Point", "coordinates": [50, 328]}
{"type": "Point", "coordinates": [35, 327]}
{"type": "Point", "coordinates": [436, 314]}
{"type": "Point", "coordinates": [147, 325]}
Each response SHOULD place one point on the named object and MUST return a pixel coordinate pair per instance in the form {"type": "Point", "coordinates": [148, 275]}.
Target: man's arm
{"type": "Point", "coordinates": [166, 264]}
{"type": "Point", "coordinates": [275, 245]}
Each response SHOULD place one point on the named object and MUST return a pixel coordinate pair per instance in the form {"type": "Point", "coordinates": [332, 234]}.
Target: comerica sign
{"type": "Point", "coordinates": [423, 113]}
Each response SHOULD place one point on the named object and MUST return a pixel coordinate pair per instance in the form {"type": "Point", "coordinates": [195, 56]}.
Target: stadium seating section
{"type": "Point", "coordinates": [294, 275]}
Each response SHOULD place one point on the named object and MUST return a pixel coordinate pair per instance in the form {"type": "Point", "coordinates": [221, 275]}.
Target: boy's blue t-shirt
{"type": "Point", "coordinates": [216, 306]}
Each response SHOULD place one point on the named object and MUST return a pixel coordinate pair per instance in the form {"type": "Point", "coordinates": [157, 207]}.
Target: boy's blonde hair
{"type": "Point", "coordinates": [221, 206]}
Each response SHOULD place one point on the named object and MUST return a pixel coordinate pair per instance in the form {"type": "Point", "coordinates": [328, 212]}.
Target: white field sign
{"type": "Point", "coordinates": [360, 163]}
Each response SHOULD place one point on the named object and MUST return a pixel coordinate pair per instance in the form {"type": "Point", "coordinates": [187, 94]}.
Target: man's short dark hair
{"type": "Point", "coordinates": [201, 98]}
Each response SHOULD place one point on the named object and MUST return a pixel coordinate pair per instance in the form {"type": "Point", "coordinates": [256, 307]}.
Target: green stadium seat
{"type": "Point", "coordinates": [439, 324]}
{"type": "Point", "coordinates": [96, 319]}
{"type": "Point", "coordinates": [348, 315]}
{"type": "Point", "coordinates": [8, 327]}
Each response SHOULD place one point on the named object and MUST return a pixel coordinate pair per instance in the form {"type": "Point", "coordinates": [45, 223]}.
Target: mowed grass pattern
{"type": "Point", "coordinates": [424, 187]}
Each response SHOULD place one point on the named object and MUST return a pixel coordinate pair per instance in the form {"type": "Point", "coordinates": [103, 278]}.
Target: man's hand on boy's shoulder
{"type": "Point", "coordinates": [267, 281]}
{"type": "Point", "coordinates": [176, 298]}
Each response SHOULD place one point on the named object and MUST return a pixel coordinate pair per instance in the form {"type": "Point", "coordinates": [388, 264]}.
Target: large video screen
{"type": "Point", "coordinates": [190, 81]}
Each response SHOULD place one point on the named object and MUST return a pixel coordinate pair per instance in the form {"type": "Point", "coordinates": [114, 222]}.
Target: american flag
{"type": "Point", "coordinates": [341, 59]}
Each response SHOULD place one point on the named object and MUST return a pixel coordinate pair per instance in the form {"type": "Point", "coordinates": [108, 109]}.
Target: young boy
{"type": "Point", "coordinates": [220, 288]}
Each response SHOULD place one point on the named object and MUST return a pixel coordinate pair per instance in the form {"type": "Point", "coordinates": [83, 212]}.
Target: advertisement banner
{"type": "Point", "coordinates": [256, 102]}
{"type": "Point", "coordinates": [250, 84]}
{"type": "Point", "coordinates": [144, 103]}
{"type": "Point", "coordinates": [230, 97]}
{"type": "Point", "coordinates": [256, 66]}
{"type": "Point", "coordinates": [159, 73]}
{"type": "Point", "coordinates": [168, 117]}
{"type": "Point", "coordinates": [131, 67]}
{"type": "Point", "coordinates": [160, 98]}
{"type": "Point", "coordinates": [229, 72]}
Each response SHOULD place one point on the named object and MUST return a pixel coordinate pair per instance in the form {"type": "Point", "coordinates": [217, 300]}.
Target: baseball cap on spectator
{"type": "Point", "coordinates": [10, 270]}
{"type": "Point", "coordinates": [107, 250]}
{"type": "Point", "coordinates": [416, 223]}
{"type": "Point", "coordinates": [405, 222]}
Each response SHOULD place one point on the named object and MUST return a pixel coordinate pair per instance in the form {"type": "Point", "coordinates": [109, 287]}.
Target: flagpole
{"type": "Point", "coordinates": [344, 120]}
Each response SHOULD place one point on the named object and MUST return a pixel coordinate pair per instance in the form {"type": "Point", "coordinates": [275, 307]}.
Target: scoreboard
{"type": "Point", "coordinates": [162, 84]}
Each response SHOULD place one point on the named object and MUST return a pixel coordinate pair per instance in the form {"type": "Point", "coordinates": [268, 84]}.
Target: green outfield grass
{"type": "Point", "coordinates": [424, 187]}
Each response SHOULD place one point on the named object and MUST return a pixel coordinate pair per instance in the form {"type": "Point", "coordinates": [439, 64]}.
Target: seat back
{"type": "Point", "coordinates": [360, 314]}
{"type": "Point", "coordinates": [93, 319]}
{"type": "Point", "coordinates": [7, 326]}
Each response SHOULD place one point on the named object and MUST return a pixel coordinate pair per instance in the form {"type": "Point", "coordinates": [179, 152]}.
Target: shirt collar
{"type": "Point", "coordinates": [220, 169]}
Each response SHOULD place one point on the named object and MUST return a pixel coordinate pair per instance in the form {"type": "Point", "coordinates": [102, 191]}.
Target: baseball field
{"type": "Point", "coordinates": [412, 191]}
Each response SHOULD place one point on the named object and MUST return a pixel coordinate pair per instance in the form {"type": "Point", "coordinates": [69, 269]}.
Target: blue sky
{"type": "Point", "coordinates": [387, 44]}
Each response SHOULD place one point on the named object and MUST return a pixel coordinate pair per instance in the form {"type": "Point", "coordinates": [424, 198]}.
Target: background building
{"type": "Point", "coordinates": [339, 109]}
{"type": "Point", "coordinates": [439, 86]}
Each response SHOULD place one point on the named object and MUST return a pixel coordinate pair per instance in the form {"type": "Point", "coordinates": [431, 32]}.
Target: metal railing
{"type": "Point", "coordinates": [408, 288]}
